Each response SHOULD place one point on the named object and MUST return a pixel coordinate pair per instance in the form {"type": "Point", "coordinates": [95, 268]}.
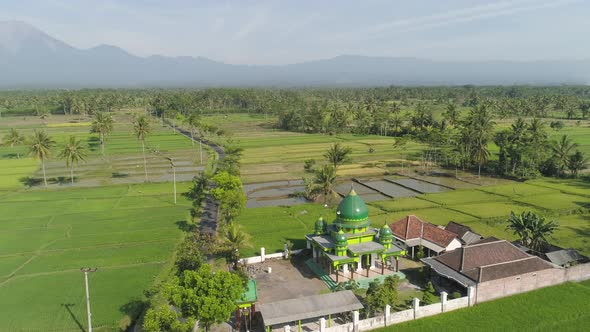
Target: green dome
{"type": "Point", "coordinates": [385, 232]}
{"type": "Point", "coordinates": [319, 226]}
{"type": "Point", "coordinates": [341, 239]}
{"type": "Point", "coordinates": [352, 208]}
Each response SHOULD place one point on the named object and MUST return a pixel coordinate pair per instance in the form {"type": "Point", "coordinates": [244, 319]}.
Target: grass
{"type": "Point", "coordinates": [564, 308]}
{"type": "Point", "coordinates": [128, 232]}
{"type": "Point", "coordinates": [122, 162]}
{"type": "Point", "coordinates": [484, 209]}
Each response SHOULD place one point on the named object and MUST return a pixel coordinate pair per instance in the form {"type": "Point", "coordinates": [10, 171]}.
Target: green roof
{"type": "Point", "coordinates": [250, 294]}
{"type": "Point", "coordinates": [385, 231]}
{"type": "Point", "coordinates": [341, 239]}
{"type": "Point", "coordinates": [352, 208]}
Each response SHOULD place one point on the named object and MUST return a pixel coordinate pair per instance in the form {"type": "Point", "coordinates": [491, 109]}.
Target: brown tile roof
{"type": "Point", "coordinates": [412, 227]}
{"type": "Point", "coordinates": [491, 259]}
{"type": "Point", "coordinates": [457, 228]}
{"type": "Point", "coordinates": [464, 233]}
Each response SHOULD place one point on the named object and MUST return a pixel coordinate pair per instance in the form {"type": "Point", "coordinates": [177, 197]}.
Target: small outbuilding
{"type": "Point", "coordinates": [307, 309]}
{"type": "Point", "coordinates": [464, 233]}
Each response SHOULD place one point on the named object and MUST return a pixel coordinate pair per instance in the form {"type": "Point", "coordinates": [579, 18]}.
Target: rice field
{"type": "Point", "coordinates": [127, 232]}
{"type": "Point", "coordinates": [484, 208]}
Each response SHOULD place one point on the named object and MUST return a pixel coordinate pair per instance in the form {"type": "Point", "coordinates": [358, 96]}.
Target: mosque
{"type": "Point", "coordinates": [349, 246]}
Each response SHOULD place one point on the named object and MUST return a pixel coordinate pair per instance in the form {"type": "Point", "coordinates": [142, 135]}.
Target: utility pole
{"type": "Point", "coordinates": [173, 176]}
{"type": "Point", "coordinates": [86, 270]}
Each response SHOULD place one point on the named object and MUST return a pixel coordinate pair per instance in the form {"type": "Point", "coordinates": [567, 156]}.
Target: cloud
{"type": "Point", "coordinates": [457, 16]}
{"type": "Point", "coordinates": [259, 19]}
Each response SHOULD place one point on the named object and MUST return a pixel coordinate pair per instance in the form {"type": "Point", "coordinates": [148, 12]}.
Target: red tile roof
{"type": "Point", "coordinates": [412, 227]}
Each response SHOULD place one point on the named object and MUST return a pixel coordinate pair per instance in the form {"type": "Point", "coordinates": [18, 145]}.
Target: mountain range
{"type": "Point", "coordinates": [30, 58]}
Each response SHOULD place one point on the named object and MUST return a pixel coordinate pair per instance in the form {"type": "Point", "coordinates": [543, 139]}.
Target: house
{"type": "Point", "coordinates": [495, 268]}
{"type": "Point", "coordinates": [414, 233]}
{"type": "Point", "coordinates": [464, 233]}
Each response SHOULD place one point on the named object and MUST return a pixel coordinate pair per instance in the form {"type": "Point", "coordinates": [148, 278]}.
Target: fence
{"type": "Point", "coordinates": [389, 318]}
{"type": "Point", "coordinates": [263, 256]}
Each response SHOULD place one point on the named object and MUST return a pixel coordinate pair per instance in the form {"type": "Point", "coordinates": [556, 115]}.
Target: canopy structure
{"type": "Point", "coordinates": [309, 307]}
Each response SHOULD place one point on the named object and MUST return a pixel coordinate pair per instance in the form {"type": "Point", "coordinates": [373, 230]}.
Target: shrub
{"type": "Point", "coordinates": [125, 323]}
{"type": "Point", "coordinates": [308, 165]}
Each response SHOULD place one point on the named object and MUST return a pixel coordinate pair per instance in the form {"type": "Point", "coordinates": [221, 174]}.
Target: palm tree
{"type": "Point", "coordinates": [235, 240]}
{"type": "Point", "coordinates": [73, 153]}
{"type": "Point", "coordinates": [141, 126]}
{"type": "Point", "coordinates": [324, 180]}
{"type": "Point", "coordinates": [103, 125]}
{"type": "Point", "coordinates": [14, 138]}
{"type": "Point", "coordinates": [338, 155]}
{"type": "Point", "coordinates": [480, 153]}
{"type": "Point", "coordinates": [561, 152]}
{"type": "Point", "coordinates": [532, 229]}
{"type": "Point", "coordinates": [577, 162]}
{"type": "Point", "coordinates": [40, 148]}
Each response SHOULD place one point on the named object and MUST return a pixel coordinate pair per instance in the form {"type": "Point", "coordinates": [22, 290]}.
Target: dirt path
{"type": "Point", "coordinates": [208, 224]}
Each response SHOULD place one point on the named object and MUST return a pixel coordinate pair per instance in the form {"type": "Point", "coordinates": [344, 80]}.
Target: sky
{"type": "Point", "coordinates": [281, 31]}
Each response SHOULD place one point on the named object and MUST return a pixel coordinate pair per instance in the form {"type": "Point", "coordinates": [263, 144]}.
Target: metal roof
{"type": "Point", "coordinates": [365, 247]}
{"type": "Point", "coordinates": [446, 271]}
{"type": "Point", "coordinates": [249, 294]}
{"type": "Point", "coordinates": [315, 306]}
{"type": "Point", "coordinates": [563, 257]}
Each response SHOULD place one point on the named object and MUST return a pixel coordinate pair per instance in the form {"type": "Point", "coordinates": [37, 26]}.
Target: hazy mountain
{"type": "Point", "coordinates": [31, 58]}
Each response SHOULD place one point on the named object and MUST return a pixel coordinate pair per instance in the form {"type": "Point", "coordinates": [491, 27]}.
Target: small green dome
{"type": "Point", "coordinates": [385, 232]}
{"type": "Point", "coordinates": [319, 226]}
{"type": "Point", "coordinates": [341, 239]}
{"type": "Point", "coordinates": [352, 208]}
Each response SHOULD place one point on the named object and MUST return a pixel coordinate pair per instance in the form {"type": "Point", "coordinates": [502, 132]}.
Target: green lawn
{"type": "Point", "coordinates": [127, 232]}
{"type": "Point", "coordinates": [560, 308]}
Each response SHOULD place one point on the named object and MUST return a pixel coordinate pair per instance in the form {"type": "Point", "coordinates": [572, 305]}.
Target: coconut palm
{"type": "Point", "coordinates": [235, 240]}
{"type": "Point", "coordinates": [324, 180]}
{"type": "Point", "coordinates": [103, 126]}
{"type": "Point", "coordinates": [532, 229]}
{"type": "Point", "coordinates": [40, 147]}
{"type": "Point", "coordinates": [561, 152]}
{"type": "Point", "coordinates": [577, 162]}
{"type": "Point", "coordinates": [141, 127]}
{"type": "Point", "coordinates": [14, 138]}
{"type": "Point", "coordinates": [338, 155]}
{"type": "Point", "coordinates": [73, 152]}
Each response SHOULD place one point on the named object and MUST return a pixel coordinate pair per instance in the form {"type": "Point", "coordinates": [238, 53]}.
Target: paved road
{"type": "Point", "coordinates": [208, 224]}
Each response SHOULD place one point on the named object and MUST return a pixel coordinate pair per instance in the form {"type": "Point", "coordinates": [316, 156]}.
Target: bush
{"type": "Point", "coordinates": [455, 295]}
{"type": "Point", "coordinates": [125, 323]}
{"type": "Point", "coordinates": [308, 165]}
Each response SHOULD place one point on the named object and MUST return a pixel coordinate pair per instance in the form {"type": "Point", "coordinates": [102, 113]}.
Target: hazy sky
{"type": "Point", "coordinates": [277, 32]}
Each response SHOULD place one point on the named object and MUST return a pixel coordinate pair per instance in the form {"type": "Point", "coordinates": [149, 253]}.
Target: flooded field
{"type": "Point", "coordinates": [445, 181]}
{"type": "Point", "coordinates": [390, 189]}
{"type": "Point", "coordinates": [275, 193]}
{"type": "Point", "coordinates": [420, 186]}
{"type": "Point", "coordinates": [368, 194]}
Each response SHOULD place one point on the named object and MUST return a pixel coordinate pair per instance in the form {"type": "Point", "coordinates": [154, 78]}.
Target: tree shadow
{"type": "Point", "coordinates": [61, 180]}
{"type": "Point", "coordinates": [74, 318]}
{"type": "Point", "coordinates": [10, 156]}
{"type": "Point", "coordinates": [132, 310]}
{"type": "Point", "coordinates": [185, 226]}
{"type": "Point", "coordinates": [117, 175]}
{"type": "Point", "coordinates": [30, 181]}
{"type": "Point", "coordinates": [93, 143]}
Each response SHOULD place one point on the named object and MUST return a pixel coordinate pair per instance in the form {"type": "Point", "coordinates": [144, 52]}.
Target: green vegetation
{"type": "Point", "coordinates": [485, 209]}
{"type": "Point", "coordinates": [564, 308]}
{"type": "Point", "coordinates": [128, 232]}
